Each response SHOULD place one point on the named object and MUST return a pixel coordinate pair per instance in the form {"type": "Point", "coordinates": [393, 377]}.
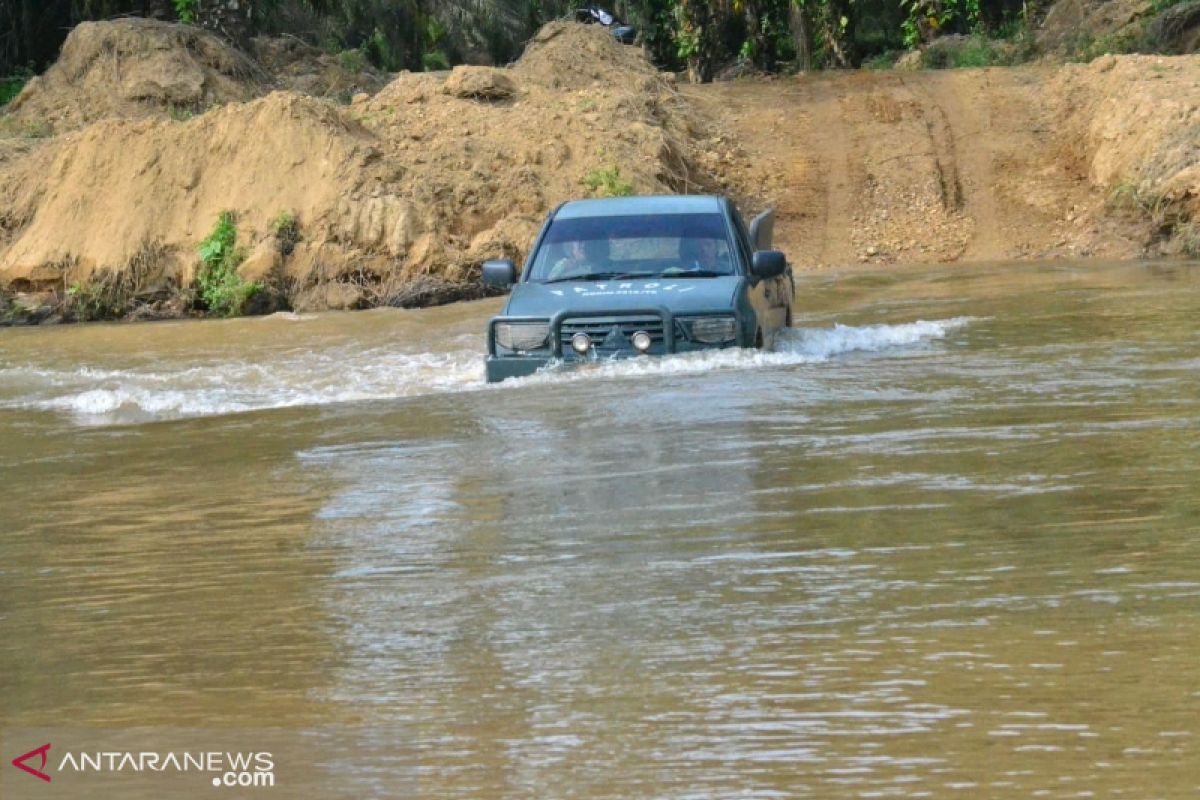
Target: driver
{"type": "Point", "coordinates": [702, 255]}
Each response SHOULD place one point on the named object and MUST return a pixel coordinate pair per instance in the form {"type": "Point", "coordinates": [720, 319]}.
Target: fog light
{"type": "Point", "coordinates": [641, 341]}
{"type": "Point", "coordinates": [581, 343]}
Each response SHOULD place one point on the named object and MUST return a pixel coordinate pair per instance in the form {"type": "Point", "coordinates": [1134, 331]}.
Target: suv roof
{"type": "Point", "coordinates": [657, 204]}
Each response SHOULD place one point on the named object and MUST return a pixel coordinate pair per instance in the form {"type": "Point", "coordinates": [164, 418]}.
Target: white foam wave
{"type": "Point", "coordinates": [165, 390]}
{"type": "Point", "coordinates": [103, 396]}
{"type": "Point", "coordinates": [797, 346]}
{"type": "Point", "coordinates": [841, 339]}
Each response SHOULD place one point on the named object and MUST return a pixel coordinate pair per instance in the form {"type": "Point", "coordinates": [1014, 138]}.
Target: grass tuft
{"type": "Point", "coordinates": [607, 182]}
{"type": "Point", "coordinates": [287, 232]}
{"type": "Point", "coordinates": [222, 290]}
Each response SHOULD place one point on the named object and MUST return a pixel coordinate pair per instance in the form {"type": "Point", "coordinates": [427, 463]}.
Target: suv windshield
{"type": "Point", "coordinates": [676, 245]}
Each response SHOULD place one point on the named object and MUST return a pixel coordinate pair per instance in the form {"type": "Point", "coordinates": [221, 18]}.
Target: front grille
{"type": "Point", "coordinates": [610, 334]}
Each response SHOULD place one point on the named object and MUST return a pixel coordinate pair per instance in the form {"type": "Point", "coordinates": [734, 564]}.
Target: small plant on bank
{"type": "Point", "coordinates": [89, 301]}
{"type": "Point", "coordinates": [38, 129]}
{"type": "Point", "coordinates": [180, 113]}
{"type": "Point", "coordinates": [287, 232]}
{"type": "Point", "coordinates": [221, 288]}
{"type": "Point", "coordinates": [1126, 196]}
{"type": "Point", "coordinates": [1188, 236]}
{"type": "Point", "coordinates": [607, 183]}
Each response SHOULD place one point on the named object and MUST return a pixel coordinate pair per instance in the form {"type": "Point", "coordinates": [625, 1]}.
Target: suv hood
{"type": "Point", "coordinates": [680, 295]}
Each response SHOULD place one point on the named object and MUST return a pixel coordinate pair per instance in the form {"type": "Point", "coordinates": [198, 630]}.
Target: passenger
{"type": "Point", "coordinates": [581, 257]}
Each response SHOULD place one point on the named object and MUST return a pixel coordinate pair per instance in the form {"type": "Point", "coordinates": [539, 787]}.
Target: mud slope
{"type": "Point", "coordinates": [882, 167]}
{"type": "Point", "coordinates": [420, 182]}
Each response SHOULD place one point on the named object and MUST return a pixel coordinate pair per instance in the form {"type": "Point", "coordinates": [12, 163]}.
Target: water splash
{"type": "Point", "coordinates": [169, 389]}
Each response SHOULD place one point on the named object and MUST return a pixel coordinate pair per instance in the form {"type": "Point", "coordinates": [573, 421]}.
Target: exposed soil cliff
{"type": "Point", "coordinates": [418, 183]}
{"type": "Point", "coordinates": [1096, 160]}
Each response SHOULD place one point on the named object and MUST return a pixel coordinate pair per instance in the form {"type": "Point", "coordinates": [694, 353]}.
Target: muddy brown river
{"type": "Point", "coordinates": [945, 542]}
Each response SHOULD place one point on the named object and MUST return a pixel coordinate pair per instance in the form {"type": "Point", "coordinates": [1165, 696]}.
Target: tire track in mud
{"type": "Point", "coordinates": [886, 167]}
{"type": "Point", "coordinates": [968, 121]}
{"type": "Point", "coordinates": [943, 147]}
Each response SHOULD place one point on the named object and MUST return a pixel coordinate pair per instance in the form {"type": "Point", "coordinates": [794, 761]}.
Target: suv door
{"type": "Point", "coordinates": [762, 293]}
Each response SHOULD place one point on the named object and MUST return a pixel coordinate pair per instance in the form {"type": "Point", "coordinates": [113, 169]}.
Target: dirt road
{"type": "Point", "coordinates": [911, 166]}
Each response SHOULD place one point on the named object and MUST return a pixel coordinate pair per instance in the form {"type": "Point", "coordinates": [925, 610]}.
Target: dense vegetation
{"type": "Point", "coordinates": [432, 34]}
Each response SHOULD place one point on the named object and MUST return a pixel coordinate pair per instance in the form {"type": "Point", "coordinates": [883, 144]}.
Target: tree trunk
{"type": "Point", "coordinates": [801, 29]}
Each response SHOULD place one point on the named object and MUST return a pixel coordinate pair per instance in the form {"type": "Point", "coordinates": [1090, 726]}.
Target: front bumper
{"type": "Point", "coordinates": [501, 368]}
{"type": "Point", "coordinates": [504, 365]}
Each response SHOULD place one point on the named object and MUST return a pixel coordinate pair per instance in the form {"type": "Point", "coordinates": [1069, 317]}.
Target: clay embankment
{"type": "Point", "coordinates": [400, 194]}
{"type": "Point", "coordinates": [1099, 160]}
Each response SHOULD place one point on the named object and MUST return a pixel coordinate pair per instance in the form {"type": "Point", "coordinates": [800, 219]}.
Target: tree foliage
{"type": "Point", "coordinates": [697, 35]}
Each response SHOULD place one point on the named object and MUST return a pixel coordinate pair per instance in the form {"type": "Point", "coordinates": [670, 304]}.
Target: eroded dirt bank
{"type": "Point", "coordinates": [1096, 160]}
{"type": "Point", "coordinates": [399, 194]}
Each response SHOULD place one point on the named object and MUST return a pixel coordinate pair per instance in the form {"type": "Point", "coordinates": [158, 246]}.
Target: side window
{"type": "Point", "coordinates": [743, 238]}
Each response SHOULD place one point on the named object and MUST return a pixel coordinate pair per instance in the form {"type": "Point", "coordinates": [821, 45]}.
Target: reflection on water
{"type": "Point", "coordinates": [887, 561]}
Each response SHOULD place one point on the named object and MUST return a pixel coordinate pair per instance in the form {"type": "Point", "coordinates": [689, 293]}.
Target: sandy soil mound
{"type": "Point", "coordinates": [1134, 125]}
{"type": "Point", "coordinates": [414, 186]}
{"type": "Point", "coordinates": [564, 55]}
{"type": "Point", "coordinates": [118, 187]}
{"type": "Point", "coordinates": [136, 68]}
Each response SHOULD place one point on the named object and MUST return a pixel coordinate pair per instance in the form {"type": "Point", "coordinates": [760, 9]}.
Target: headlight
{"type": "Point", "coordinates": [581, 343]}
{"type": "Point", "coordinates": [713, 330]}
{"type": "Point", "coordinates": [522, 336]}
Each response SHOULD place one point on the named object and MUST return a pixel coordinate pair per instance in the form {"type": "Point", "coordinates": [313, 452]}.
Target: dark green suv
{"type": "Point", "coordinates": [632, 277]}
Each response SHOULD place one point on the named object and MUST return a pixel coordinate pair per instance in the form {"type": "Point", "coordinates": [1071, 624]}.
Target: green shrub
{"type": "Point", "coordinates": [90, 301]}
{"type": "Point", "coordinates": [434, 61]}
{"type": "Point", "coordinates": [963, 52]}
{"type": "Point", "coordinates": [221, 288]}
{"type": "Point", "coordinates": [607, 183]}
{"type": "Point", "coordinates": [1129, 40]}
{"type": "Point", "coordinates": [186, 10]}
{"type": "Point", "coordinates": [884, 60]}
{"type": "Point", "coordinates": [379, 52]}
{"type": "Point", "coordinates": [12, 85]}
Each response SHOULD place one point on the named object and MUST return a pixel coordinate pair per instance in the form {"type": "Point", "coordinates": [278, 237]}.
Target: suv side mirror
{"type": "Point", "coordinates": [768, 264]}
{"type": "Point", "coordinates": [502, 273]}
